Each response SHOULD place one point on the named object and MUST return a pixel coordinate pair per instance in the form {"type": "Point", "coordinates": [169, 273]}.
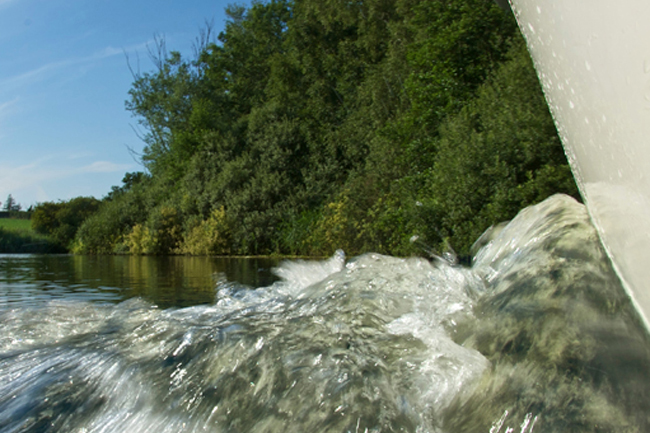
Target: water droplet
{"type": "Point", "coordinates": [587, 65]}
{"type": "Point", "coordinates": [571, 105]}
{"type": "Point", "coordinates": [532, 29]}
{"type": "Point", "coordinates": [499, 423]}
{"type": "Point", "coordinates": [260, 344]}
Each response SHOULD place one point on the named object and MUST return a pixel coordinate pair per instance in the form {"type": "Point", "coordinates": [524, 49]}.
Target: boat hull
{"type": "Point", "coordinates": [593, 61]}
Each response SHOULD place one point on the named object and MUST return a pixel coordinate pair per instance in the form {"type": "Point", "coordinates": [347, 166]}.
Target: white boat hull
{"type": "Point", "coordinates": [593, 60]}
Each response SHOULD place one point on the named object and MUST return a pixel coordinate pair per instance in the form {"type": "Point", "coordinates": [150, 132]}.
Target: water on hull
{"type": "Point", "coordinates": [593, 62]}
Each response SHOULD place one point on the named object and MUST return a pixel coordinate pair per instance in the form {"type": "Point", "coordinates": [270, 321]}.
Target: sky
{"type": "Point", "coordinates": [64, 79]}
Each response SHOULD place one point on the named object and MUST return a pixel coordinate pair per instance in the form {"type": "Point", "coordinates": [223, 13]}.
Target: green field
{"type": "Point", "coordinates": [15, 224]}
{"type": "Point", "coordinates": [17, 236]}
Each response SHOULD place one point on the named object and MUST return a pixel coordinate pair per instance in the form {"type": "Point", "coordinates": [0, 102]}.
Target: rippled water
{"type": "Point", "coordinates": [536, 336]}
{"type": "Point", "coordinates": [175, 281]}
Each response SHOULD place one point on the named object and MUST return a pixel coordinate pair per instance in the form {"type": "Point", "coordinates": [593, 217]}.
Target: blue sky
{"type": "Point", "coordinates": [64, 78]}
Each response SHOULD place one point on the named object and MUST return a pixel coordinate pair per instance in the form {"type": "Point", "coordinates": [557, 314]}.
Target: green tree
{"type": "Point", "coordinates": [61, 220]}
{"type": "Point", "coordinates": [104, 231]}
{"type": "Point", "coordinates": [498, 155]}
{"type": "Point", "coordinates": [11, 205]}
{"type": "Point", "coordinates": [128, 181]}
{"type": "Point", "coordinates": [312, 125]}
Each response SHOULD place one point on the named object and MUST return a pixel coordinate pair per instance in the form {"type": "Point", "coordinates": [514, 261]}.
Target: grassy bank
{"type": "Point", "coordinates": [17, 236]}
{"type": "Point", "coordinates": [14, 224]}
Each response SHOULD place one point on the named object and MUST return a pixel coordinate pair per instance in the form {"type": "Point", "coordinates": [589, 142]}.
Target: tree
{"type": "Point", "coordinates": [11, 205]}
{"type": "Point", "coordinates": [129, 180]}
{"type": "Point", "coordinates": [500, 153]}
{"type": "Point", "coordinates": [319, 124]}
{"type": "Point", "coordinates": [61, 220]}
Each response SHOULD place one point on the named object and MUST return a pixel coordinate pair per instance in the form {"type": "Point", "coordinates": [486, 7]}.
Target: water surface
{"type": "Point", "coordinates": [176, 281]}
{"type": "Point", "coordinates": [537, 336]}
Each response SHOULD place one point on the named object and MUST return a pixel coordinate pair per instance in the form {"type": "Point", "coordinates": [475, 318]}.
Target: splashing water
{"type": "Point", "coordinates": [536, 336]}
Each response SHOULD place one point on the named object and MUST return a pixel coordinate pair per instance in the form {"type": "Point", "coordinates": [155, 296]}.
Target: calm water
{"type": "Point", "coordinates": [165, 281]}
{"type": "Point", "coordinates": [536, 336]}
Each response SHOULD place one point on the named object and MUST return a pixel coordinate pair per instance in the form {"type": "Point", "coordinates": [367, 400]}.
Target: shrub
{"type": "Point", "coordinates": [60, 221]}
{"type": "Point", "coordinates": [209, 237]}
{"type": "Point", "coordinates": [139, 241]}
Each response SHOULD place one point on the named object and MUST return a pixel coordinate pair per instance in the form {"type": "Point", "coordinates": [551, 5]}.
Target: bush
{"type": "Point", "coordinates": [24, 241]}
{"type": "Point", "coordinates": [165, 231]}
{"type": "Point", "coordinates": [500, 154]}
{"type": "Point", "coordinates": [337, 228]}
{"type": "Point", "coordinates": [209, 237]}
{"type": "Point", "coordinates": [139, 241]}
{"type": "Point", "coordinates": [104, 231]}
{"type": "Point", "coordinates": [60, 221]}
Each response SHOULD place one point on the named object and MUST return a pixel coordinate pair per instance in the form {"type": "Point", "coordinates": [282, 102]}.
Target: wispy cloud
{"type": "Point", "coordinates": [6, 109]}
{"type": "Point", "coordinates": [35, 73]}
{"type": "Point", "coordinates": [5, 106]}
{"type": "Point", "coordinates": [79, 155]}
{"type": "Point", "coordinates": [30, 181]}
{"type": "Point", "coordinates": [47, 69]}
{"type": "Point", "coordinates": [112, 51]}
{"type": "Point", "coordinates": [104, 167]}
{"type": "Point", "coordinates": [17, 178]}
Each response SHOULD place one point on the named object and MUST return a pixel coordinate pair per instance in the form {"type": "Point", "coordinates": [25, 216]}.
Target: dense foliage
{"type": "Point", "coordinates": [16, 236]}
{"type": "Point", "coordinates": [313, 125]}
{"type": "Point", "coordinates": [61, 220]}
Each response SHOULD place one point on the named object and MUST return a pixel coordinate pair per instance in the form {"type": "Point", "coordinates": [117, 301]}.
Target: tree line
{"type": "Point", "coordinates": [395, 126]}
{"type": "Point", "coordinates": [10, 205]}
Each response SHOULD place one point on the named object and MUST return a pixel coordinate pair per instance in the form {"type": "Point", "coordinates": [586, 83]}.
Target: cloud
{"type": "Point", "coordinates": [28, 183]}
{"type": "Point", "coordinates": [104, 167]}
{"type": "Point", "coordinates": [17, 178]}
{"type": "Point", "coordinates": [5, 105]}
{"type": "Point", "coordinates": [111, 51]}
{"type": "Point", "coordinates": [79, 155]}
{"type": "Point", "coordinates": [43, 71]}
{"type": "Point", "coordinates": [5, 108]}
{"type": "Point", "coordinates": [33, 74]}
{"type": "Point", "coordinates": [108, 52]}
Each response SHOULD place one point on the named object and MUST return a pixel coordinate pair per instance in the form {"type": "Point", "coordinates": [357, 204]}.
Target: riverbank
{"type": "Point", "coordinates": [17, 236]}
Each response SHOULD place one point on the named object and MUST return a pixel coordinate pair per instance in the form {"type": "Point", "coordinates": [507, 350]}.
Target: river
{"type": "Point", "coordinates": [536, 336]}
{"type": "Point", "coordinates": [174, 281]}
